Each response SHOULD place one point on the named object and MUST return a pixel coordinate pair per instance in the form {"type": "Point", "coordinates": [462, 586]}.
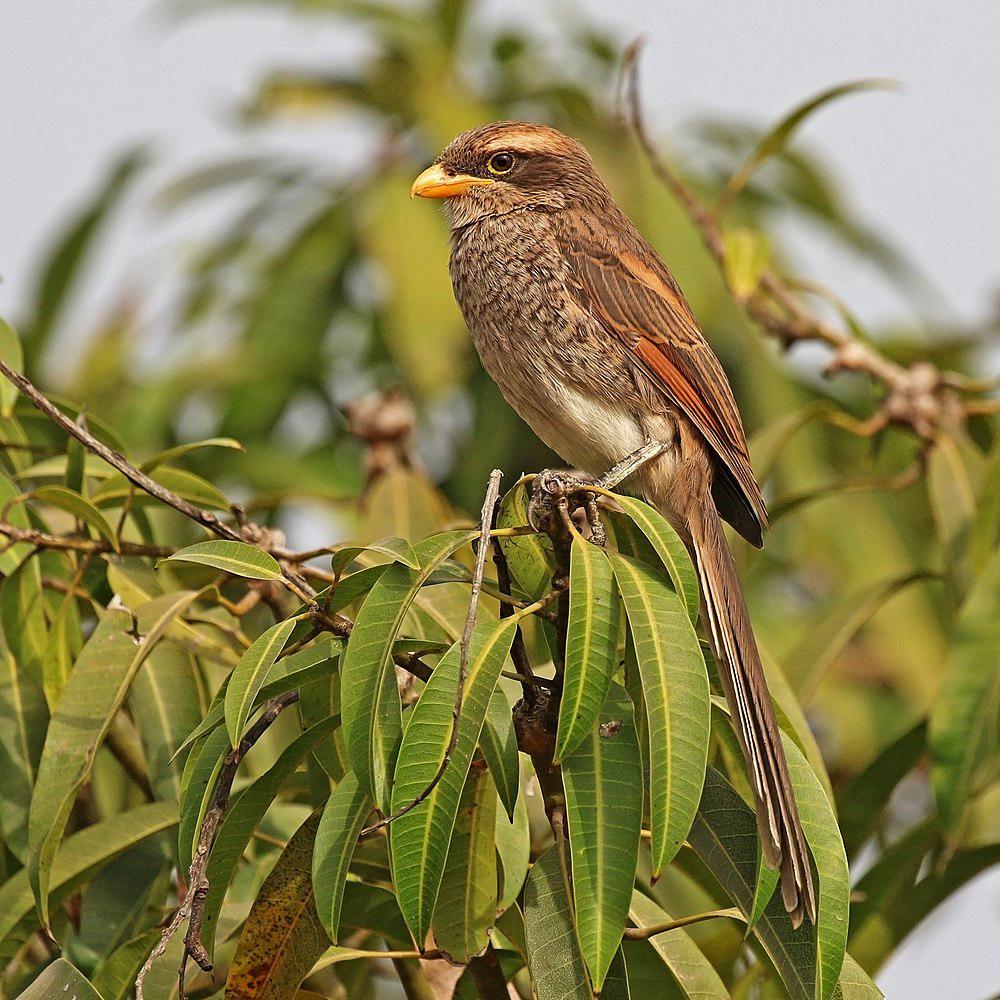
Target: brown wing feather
{"type": "Point", "coordinates": [634, 296]}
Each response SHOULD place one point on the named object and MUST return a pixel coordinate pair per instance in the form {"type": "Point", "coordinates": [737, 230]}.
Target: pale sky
{"type": "Point", "coordinates": [80, 80]}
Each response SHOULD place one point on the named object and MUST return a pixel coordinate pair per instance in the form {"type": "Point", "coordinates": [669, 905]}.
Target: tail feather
{"type": "Point", "coordinates": [782, 839]}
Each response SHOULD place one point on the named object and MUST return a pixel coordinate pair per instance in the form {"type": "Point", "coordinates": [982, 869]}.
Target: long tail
{"type": "Point", "coordinates": [732, 638]}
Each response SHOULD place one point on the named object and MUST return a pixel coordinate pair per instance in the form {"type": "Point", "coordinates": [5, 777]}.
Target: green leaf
{"type": "Point", "coordinates": [283, 936]}
{"type": "Point", "coordinates": [861, 802]}
{"type": "Point", "coordinates": [64, 643]}
{"type": "Point", "coordinates": [197, 783]}
{"type": "Point", "coordinates": [61, 979]}
{"type": "Point", "coordinates": [529, 556]}
{"type": "Point", "coordinates": [603, 783]}
{"type": "Point", "coordinates": [125, 896]}
{"type": "Point", "coordinates": [79, 856]}
{"type": "Point", "coordinates": [513, 843]}
{"type": "Point", "coordinates": [692, 971]}
{"type": "Point", "coordinates": [318, 700]}
{"type": "Point", "coordinates": [81, 509]}
{"type": "Point", "coordinates": [186, 485]}
{"type": "Point", "coordinates": [296, 670]}
{"type": "Point", "coordinates": [952, 483]}
{"type": "Point", "coordinates": [180, 450]}
{"type": "Point", "coordinates": [963, 724]}
{"type": "Point", "coordinates": [616, 985]}
{"type": "Point", "coordinates": [777, 138]}
{"type": "Point", "coordinates": [677, 702]}
{"type": "Point", "coordinates": [819, 823]}
{"type": "Point", "coordinates": [419, 839]}
{"type": "Point", "coordinates": [724, 836]}
{"type": "Point", "coordinates": [22, 613]}
{"type": "Point", "coordinates": [554, 958]}
{"type": "Point", "coordinates": [821, 646]}
{"type": "Point", "coordinates": [885, 918]}
{"type": "Point", "coordinates": [885, 887]}
{"type": "Point", "coordinates": [14, 555]}
{"type": "Point", "coordinates": [855, 984]}
{"type": "Point", "coordinates": [166, 700]}
{"type": "Point", "coordinates": [369, 696]}
{"type": "Point", "coordinates": [467, 901]}
{"type": "Point", "coordinates": [591, 644]}
{"type": "Point", "coordinates": [336, 837]}
{"type": "Point", "coordinates": [397, 549]}
{"type": "Point", "coordinates": [90, 700]}
{"type": "Point", "coordinates": [116, 975]}
{"type": "Point", "coordinates": [249, 676]}
{"type": "Point", "coordinates": [235, 558]}
{"type": "Point", "coordinates": [747, 258]}
{"type": "Point", "coordinates": [245, 812]}
{"type": "Point", "coordinates": [984, 534]}
{"type": "Point", "coordinates": [136, 585]}
{"type": "Point", "coordinates": [499, 745]}
{"type": "Point", "coordinates": [24, 717]}
{"type": "Point", "coordinates": [668, 546]}
{"type": "Point", "coordinates": [13, 356]}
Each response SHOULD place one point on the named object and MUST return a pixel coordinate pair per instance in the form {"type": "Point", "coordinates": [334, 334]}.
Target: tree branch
{"type": "Point", "coordinates": [251, 533]}
{"type": "Point", "coordinates": [486, 522]}
{"type": "Point", "coordinates": [197, 892]}
{"type": "Point", "coordinates": [920, 397]}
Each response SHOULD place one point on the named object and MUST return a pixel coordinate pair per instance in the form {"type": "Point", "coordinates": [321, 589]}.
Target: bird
{"type": "Point", "coordinates": [591, 341]}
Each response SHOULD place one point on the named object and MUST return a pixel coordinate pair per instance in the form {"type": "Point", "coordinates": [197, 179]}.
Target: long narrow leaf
{"type": "Point", "coordinates": [591, 644]}
{"type": "Point", "coordinates": [94, 693]}
{"type": "Point", "coordinates": [336, 837]}
{"type": "Point", "coordinates": [669, 547]}
{"type": "Point", "coordinates": [80, 855]}
{"type": "Point", "coordinates": [499, 745]}
{"type": "Point", "coordinates": [249, 676]}
{"type": "Point", "coordinates": [24, 717]}
{"type": "Point", "coordinates": [419, 839]}
{"type": "Point", "coordinates": [166, 701]}
{"type": "Point", "coordinates": [603, 783]}
{"type": "Point", "coordinates": [243, 817]}
{"type": "Point", "coordinates": [369, 696]}
{"type": "Point", "coordinates": [724, 836]}
{"type": "Point", "coordinates": [963, 727]}
{"type": "Point", "coordinates": [677, 702]}
{"type": "Point", "coordinates": [467, 901]}
{"type": "Point", "coordinates": [283, 936]}
{"type": "Point", "coordinates": [692, 971]}
{"type": "Point", "coordinates": [554, 958]}
{"type": "Point", "coordinates": [236, 558]}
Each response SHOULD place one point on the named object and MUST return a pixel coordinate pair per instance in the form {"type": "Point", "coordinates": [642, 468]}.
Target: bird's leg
{"type": "Point", "coordinates": [553, 489]}
{"type": "Point", "coordinates": [631, 464]}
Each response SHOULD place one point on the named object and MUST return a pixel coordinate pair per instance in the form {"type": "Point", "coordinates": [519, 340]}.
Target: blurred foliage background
{"type": "Point", "coordinates": [321, 288]}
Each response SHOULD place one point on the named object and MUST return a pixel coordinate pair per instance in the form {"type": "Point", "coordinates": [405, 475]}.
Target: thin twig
{"type": "Point", "coordinates": [645, 933]}
{"type": "Point", "coordinates": [197, 892]}
{"type": "Point", "coordinates": [292, 580]}
{"type": "Point", "coordinates": [489, 505]}
{"type": "Point", "coordinates": [71, 543]}
{"type": "Point", "coordinates": [920, 397]}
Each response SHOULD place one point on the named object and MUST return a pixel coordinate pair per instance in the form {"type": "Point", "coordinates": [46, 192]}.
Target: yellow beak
{"type": "Point", "coordinates": [437, 182]}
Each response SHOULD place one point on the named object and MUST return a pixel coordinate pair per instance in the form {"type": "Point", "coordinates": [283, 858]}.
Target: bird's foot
{"type": "Point", "coordinates": [559, 497]}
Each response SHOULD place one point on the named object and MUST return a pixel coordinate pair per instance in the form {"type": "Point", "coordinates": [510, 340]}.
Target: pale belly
{"type": "Point", "coordinates": [589, 433]}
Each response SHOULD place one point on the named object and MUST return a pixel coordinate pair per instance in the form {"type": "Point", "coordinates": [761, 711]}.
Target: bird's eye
{"type": "Point", "coordinates": [501, 163]}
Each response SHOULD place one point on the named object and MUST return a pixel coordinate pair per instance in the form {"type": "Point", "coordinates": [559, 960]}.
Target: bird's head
{"type": "Point", "coordinates": [508, 166]}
